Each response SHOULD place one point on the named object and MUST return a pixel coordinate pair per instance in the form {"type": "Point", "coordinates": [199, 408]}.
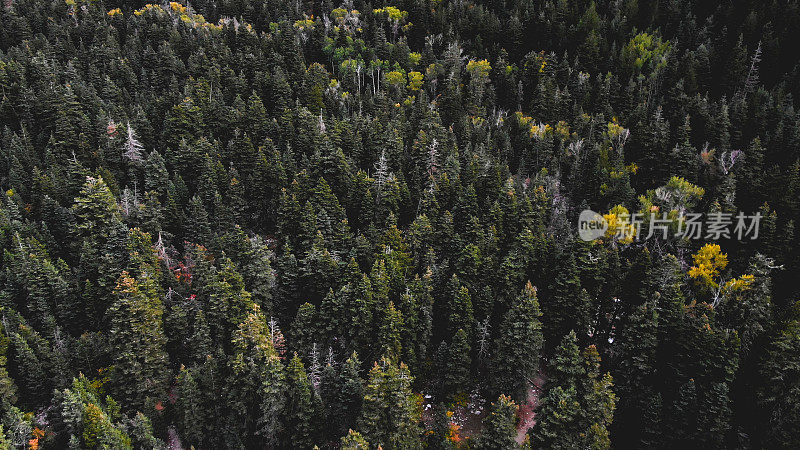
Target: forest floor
{"type": "Point", "coordinates": [466, 416]}
{"type": "Point", "coordinates": [466, 419]}
{"type": "Point", "coordinates": [527, 410]}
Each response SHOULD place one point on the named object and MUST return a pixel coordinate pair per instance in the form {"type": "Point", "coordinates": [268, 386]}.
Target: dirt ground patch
{"type": "Point", "coordinates": [527, 410]}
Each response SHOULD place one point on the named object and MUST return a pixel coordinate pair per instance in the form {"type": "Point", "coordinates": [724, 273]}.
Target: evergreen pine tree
{"type": "Point", "coordinates": [354, 441]}
{"type": "Point", "coordinates": [299, 406]}
{"type": "Point", "coordinates": [500, 426]}
{"type": "Point", "coordinates": [518, 346]}
{"type": "Point", "coordinates": [388, 416]}
{"type": "Point", "coordinates": [137, 337]}
{"type": "Point", "coordinates": [456, 370]}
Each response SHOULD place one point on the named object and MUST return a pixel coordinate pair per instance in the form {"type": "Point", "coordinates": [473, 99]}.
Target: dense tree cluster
{"type": "Point", "coordinates": [269, 224]}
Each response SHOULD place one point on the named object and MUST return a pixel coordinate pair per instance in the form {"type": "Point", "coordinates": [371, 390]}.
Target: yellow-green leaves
{"type": "Point", "coordinates": [685, 189]}
{"type": "Point", "coordinates": [395, 78]}
{"type": "Point", "coordinates": [304, 24]}
{"type": "Point", "coordinates": [479, 68]}
{"type": "Point", "coordinates": [739, 284]}
{"type": "Point", "coordinates": [415, 81]}
{"type": "Point", "coordinates": [708, 262]}
{"type": "Point", "coordinates": [618, 219]}
{"type": "Point", "coordinates": [393, 14]}
{"type": "Point", "coordinates": [674, 198]}
{"type": "Point", "coordinates": [645, 52]}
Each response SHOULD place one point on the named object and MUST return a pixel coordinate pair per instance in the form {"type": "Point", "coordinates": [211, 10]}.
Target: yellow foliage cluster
{"type": "Point", "coordinates": [432, 70]}
{"type": "Point", "coordinates": [562, 130]}
{"type": "Point", "coordinates": [645, 51]}
{"type": "Point", "coordinates": [146, 8]}
{"type": "Point", "coordinates": [614, 129]}
{"type": "Point", "coordinates": [393, 13]}
{"type": "Point", "coordinates": [708, 262]}
{"type": "Point", "coordinates": [304, 24]}
{"type": "Point", "coordinates": [177, 7]}
{"type": "Point", "coordinates": [540, 62]}
{"type": "Point", "coordinates": [522, 119]}
{"type": "Point", "coordinates": [678, 194]}
{"type": "Point", "coordinates": [395, 78]}
{"type": "Point", "coordinates": [196, 21]}
{"type": "Point", "coordinates": [339, 14]}
{"type": "Point", "coordinates": [415, 80]}
{"type": "Point", "coordinates": [414, 58]}
{"type": "Point", "coordinates": [103, 378]}
{"type": "Point", "coordinates": [349, 65]}
{"type": "Point", "coordinates": [686, 188]}
{"type": "Point", "coordinates": [479, 68]}
{"type": "Point", "coordinates": [618, 219]}
{"type": "Point", "coordinates": [540, 130]}
{"type": "Point", "coordinates": [630, 168]}
{"type": "Point", "coordinates": [739, 284]}
{"type": "Point", "coordinates": [114, 12]}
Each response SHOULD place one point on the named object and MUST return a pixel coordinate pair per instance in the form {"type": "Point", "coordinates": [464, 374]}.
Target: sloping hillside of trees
{"type": "Point", "coordinates": [289, 224]}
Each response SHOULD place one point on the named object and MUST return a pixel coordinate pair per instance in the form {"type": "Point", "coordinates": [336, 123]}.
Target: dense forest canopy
{"type": "Point", "coordinates": [288, 224]}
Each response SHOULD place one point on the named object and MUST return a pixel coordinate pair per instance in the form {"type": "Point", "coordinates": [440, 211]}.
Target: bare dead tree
{"type": "Point", "coordinates": [162, 252]}
{"type": "Point", "coordinates": [315, 368]}
{"type": "Point", "coordinates": [433, 157]}
{"type": "Point", "coordinates": [728, 159]}
{"type": "Point", "coordinates": [381, 174]}
{"type": "Point", "coordinates": [276, 337]}
{"type": "Point", "coordinates": [133, 148]}
{"type": "Point", "coordinates": [483, 339]}
{"type": "Point", "coordinates": [752, 79]}
{"type": "Point", "coordinates": [321, 124]}
{"type": "Point", "coordinates": [126, 201]}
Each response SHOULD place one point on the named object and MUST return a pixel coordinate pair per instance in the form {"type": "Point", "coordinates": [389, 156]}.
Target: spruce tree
{"type": "Point", "coordinates": [635, 374]}
{"type": "Point", "coordinates": [354, 441]}
{"type": "Point", "coordinates": [567, 306]}
{"type": "Point", "coordinates": [388, 417]}
{"type": "Point", "coordinates": [599, 401]}
{"type": "Point", "coordinates": [352, 391]}
{"type": "Point", "coordinates": [299, 406]}
{"type": "Point", "coordinates": [578, 405]}
{"type": "Point", "coordinates": [455, 373]}
{"type": "Point", "coordinates": [500, 426]}
{"type": "Point", "coordinates": [258, 383]}
{"type": "Point", "coordinates": [137, 337]}
{"type": "Point", "coordinates": [778, 398]}
{"type": "Point", "coordinates": [459, 308]}
{"type": "Point", "coordinates": [518, 346]}
{"type": "Point", "coordinates": [389, 333]}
